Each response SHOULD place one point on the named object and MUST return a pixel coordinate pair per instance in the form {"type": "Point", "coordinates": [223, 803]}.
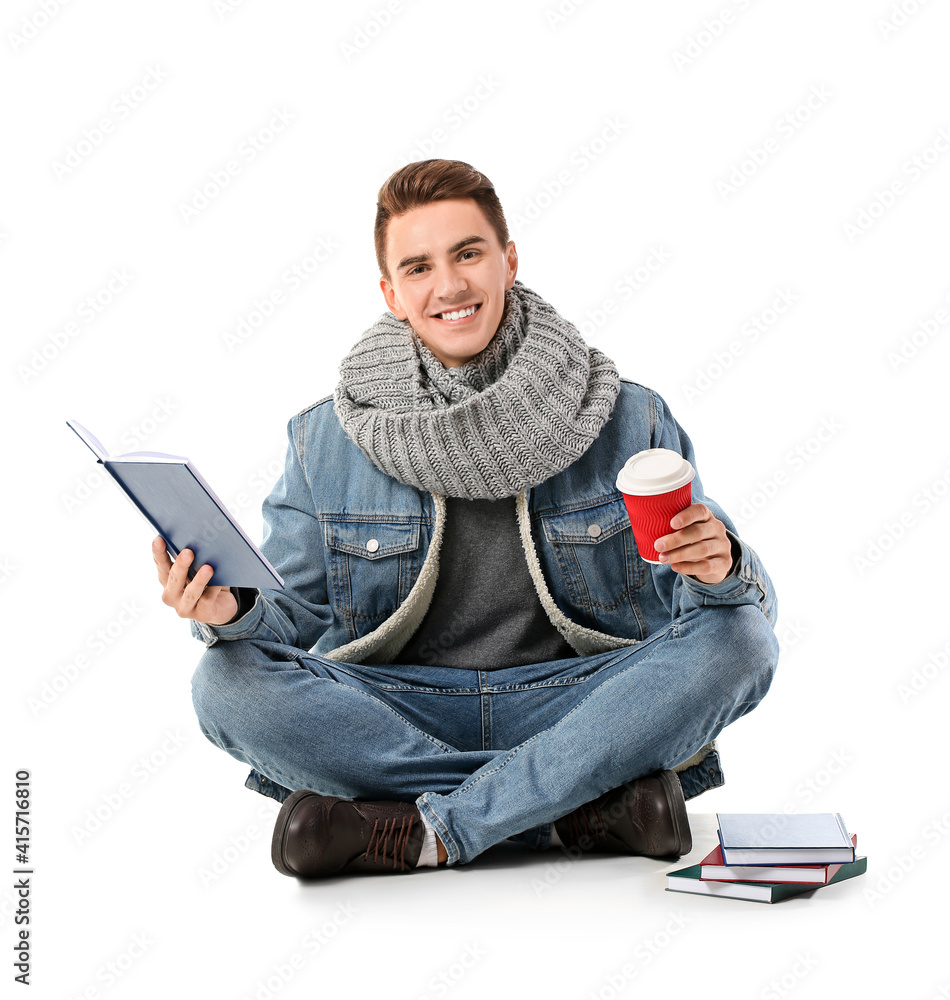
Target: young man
{"type": "Point", "coordinates": [469, 647]}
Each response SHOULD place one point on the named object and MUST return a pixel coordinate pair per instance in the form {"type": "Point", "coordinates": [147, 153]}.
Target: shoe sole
{"type": "Point", "coordinates": [674, 796]}
{"type": "Point", "coordinates": [280, 830]}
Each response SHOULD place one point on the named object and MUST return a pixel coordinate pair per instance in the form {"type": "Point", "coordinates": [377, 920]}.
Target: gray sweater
{"type": "Point", "coordinates": [485, 612]}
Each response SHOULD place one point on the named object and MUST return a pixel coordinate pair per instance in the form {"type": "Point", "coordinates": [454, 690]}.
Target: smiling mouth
{"type": "Point", "coordinates": [452, 315]}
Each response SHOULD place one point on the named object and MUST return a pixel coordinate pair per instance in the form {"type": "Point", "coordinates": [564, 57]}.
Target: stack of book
{"type": "Point", "coordinates": [771, 856]}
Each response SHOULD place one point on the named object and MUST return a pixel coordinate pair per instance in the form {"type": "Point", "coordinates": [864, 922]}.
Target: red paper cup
{"type": "Point", "coordinates": [656, 485]}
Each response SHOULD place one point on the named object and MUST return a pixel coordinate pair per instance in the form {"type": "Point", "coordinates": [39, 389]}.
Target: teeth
{"type": "Point", "coordinates": [458, 314]}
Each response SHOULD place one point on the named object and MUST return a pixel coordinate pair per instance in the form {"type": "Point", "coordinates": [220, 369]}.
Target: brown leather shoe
{"type": "Point", "coordinates": [646, 816]}
{"type": "Point", "coordinates": [323, 835]}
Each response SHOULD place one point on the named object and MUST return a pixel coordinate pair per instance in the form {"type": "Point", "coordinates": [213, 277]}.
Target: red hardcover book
{"type": "Point", "coordinates": [714, 870]}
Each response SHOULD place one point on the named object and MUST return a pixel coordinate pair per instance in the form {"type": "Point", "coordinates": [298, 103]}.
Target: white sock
{"type": "Point", "coordinates": [555, 839]}
{"type": "Point", "coordinates": [429, 855]}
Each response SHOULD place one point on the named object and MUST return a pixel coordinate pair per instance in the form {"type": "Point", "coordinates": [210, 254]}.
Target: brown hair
{"type": "Point", "coordinates": [419, 183]}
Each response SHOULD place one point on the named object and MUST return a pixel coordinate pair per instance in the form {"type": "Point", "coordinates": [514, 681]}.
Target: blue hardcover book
{"type": "Point", "coordinates": [170, 494]}
{"type": "Point", "coordinates": [784, 839]}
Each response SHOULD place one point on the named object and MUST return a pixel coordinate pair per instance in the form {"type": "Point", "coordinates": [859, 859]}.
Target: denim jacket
{"type": "Point", "coordinates": [358, 550]}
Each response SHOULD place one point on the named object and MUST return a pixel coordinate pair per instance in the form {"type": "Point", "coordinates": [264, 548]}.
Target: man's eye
{"type": "Point", "coordinates": [473, 252]}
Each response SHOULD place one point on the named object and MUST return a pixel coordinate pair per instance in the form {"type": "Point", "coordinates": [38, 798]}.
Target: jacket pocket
{"type": "Point", "coordinates": [371, 565]}
{"type": "Point", "coordinates": [594, 549]}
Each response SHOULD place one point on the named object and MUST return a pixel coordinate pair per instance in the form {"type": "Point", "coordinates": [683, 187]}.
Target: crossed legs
{"type": "Point", "coordinates": [485, 755]}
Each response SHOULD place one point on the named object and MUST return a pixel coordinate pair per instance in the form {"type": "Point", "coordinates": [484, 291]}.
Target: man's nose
{"type": "Point", "coordinates": [450, 284]}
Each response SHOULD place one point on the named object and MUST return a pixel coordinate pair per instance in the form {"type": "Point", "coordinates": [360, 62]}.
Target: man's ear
{"type": "Point", "coordinates": [511, 257]}
{"type": "Point", "coordinates": [389, 294]}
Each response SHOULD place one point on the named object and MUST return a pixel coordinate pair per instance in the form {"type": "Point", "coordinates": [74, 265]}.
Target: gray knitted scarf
{"type": "Point", "coordinates": [522, 410]}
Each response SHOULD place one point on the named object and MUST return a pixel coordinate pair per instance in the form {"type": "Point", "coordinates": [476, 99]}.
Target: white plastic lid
{"type": "Point", "coordinates": [654, 471]}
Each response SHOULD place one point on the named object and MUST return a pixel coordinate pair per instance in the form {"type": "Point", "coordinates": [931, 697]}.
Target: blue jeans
{"type": "Point", "coordinates": [485, 755]}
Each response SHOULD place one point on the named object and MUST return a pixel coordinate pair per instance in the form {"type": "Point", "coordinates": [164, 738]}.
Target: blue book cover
{"type": "Point", "coordinates": [171, 495]}
{"type": "Point", "coordinates": [784, 838]}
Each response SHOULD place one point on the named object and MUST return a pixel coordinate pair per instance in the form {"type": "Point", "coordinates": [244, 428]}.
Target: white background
{"type": "Point", "coordinates": [612, 131]}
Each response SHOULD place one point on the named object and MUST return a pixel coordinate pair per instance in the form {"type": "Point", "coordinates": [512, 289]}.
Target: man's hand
{"type": "Point", "coordinates": [698, 546]}
{"type": "Point", "coordinates": [192, 598]}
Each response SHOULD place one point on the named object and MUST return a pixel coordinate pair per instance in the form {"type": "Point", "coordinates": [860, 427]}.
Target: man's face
{"type": "Point", "coordinates": [444, 257]}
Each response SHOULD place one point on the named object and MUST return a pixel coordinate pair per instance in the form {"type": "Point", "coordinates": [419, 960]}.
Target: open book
{"type": "Point", "coordinates": [181, 507]}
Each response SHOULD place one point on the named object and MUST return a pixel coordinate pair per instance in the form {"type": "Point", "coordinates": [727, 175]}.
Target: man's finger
{"type": "Point", "coordinates": [708, 571]}
{"type": "Point", "coordinates": [162, 560]}
{"type": "Point", "coordinates": [193, 592]}
{"type": "Point", "coordinates": [699, 551]}
{"type": "Point", "coordinates": [693, 513]}
{"type": "Point", "coordinates": [205, 602]}
{"type": "Point", "coordinates": [178, 575]}
{"type": "Point", "coordinates": [701, 524]}
{"type": "Point", "coordinates": [684, 536]}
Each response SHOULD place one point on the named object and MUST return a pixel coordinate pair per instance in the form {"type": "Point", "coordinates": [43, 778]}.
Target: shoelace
{"type": "Point", "coordinates": [589, 818]}
{"type": "Point", "coordinates": [585, 819]}
{"type": "Point", "coordinates": [388, 843]}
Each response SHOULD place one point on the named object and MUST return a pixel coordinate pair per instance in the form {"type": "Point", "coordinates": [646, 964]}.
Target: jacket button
{"type": "Point", "coordinates": [372, 545]}
{"type": "Point", "coordinates": [595, 531]}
